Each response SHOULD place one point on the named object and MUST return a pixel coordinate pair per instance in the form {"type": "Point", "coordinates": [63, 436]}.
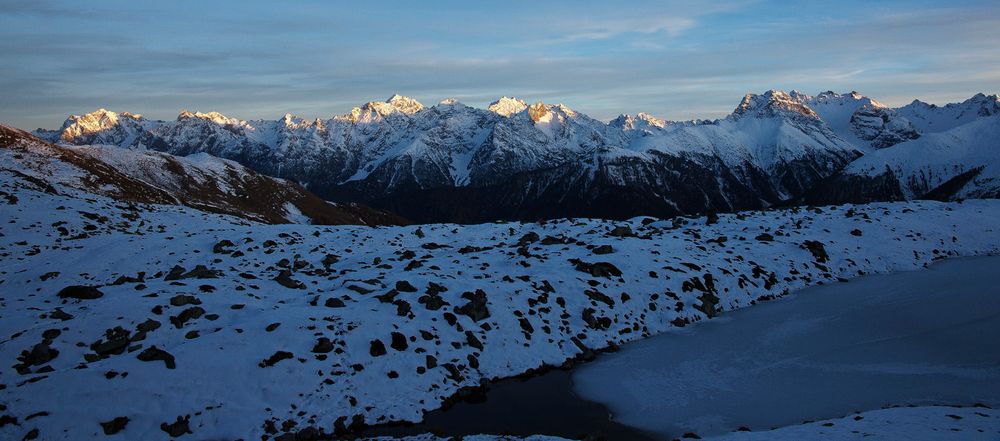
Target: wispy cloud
{"type": "Point", "coordinates": [671, 58]}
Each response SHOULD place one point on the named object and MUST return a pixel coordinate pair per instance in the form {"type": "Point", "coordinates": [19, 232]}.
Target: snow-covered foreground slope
{"type": "Point", "coordinates": [930, 423]}
{"type": "Point", "coordinates": [158, 319]}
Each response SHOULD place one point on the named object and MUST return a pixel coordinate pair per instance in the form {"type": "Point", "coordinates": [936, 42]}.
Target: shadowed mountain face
{"type": "Point", "coordinates": [514, 161]}
{"type": "Point", "coordinates": [198, 181]}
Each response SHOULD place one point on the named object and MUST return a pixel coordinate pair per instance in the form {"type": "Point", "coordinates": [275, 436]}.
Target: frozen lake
{"type": "Point", "coordinates": [924, 337]}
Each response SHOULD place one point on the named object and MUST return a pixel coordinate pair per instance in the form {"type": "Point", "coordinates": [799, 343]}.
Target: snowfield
{"type": "Point", "coordinates": [158, 321]}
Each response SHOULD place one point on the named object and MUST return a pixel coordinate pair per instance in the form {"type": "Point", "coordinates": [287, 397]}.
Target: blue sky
{"type": "Point", "coordinates": [672, 59]}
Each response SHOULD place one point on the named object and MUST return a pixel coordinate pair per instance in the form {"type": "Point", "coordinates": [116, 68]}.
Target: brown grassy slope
{"type": "Point", "coordinates": [238, 191]}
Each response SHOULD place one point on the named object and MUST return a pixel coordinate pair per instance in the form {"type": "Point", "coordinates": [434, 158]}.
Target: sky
{"type": "Point", "coordinates": [672, 59]}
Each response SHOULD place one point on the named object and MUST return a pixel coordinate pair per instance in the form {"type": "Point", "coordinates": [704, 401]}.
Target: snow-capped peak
{"type": "Point", "coordinates": [638, 122]}
{"type": "Point", "coordinates": [538, 111]}
{"type": "Point", "coordinates": [94, 122]}
{"type": "Point", "coordinates": [853, 98]}
{"type": "Point", "coordinates": [99, 119]}
{"type": "Point", "coordinates": [405, 104]}
{"type": "Point", "coordinates": [395, 104]}
{"type": "Point", "coordinates": [292, 121]}
{"type": "Point", "coordinates": [507, 106]}
{"type": "Point", "coordinates": [772, 103]}
{"type": "Point", "coordinates": [214, 117]}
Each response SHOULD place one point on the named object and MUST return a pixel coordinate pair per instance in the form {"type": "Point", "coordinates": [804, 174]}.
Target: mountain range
{"type": "Point", "coordinates": [514, 161]}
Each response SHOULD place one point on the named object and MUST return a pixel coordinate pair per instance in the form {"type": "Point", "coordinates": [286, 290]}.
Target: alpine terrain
{"type": "Point", "coordinates": [515, 161]}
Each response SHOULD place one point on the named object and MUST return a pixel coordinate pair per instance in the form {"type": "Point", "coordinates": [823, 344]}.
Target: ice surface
{"type": "Point", "coordinates": [907, 338]}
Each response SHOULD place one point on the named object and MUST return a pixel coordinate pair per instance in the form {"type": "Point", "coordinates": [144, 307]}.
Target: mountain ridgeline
{"type": "Point", "coordinates": [200, 181]}
{"type": "Point", "coordinates": [515, 161]}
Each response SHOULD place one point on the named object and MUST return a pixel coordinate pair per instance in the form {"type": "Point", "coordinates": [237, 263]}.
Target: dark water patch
{"type": "Point", "coordinates": [539, 405]}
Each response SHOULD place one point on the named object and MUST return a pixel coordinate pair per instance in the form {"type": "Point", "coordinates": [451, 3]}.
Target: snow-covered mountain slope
{"type": "Point", "coordinates": [772, 132]}
{"type": "Point", "coordinates": [513, 161]}
{"type": "Point", "coordinates": [200, 181]}
{"type": "Point", "coordinates": [158, 320]}
{"type": "Point", "coordinates": [933, 118]}
{"type": "Point", "coordinates": [963, 162]}
{"type": "Point", "coordinates": [862, 121]}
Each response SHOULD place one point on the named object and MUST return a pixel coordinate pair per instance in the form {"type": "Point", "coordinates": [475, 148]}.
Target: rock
{"type": "Point", "coordinates": [402, 308]}
{"type": "Point", "coordinates": [377, 348]}
{"type": "Point", "coordinates": [114, 426]}
{"type": "Point", "coordinates": [272, 327]}
{"type": "Point", "coordinates": [476, 308]}
{"type": "Point", "coordinates": [432, 302]}
{"type": "Point", "coordinates": [598, 296]}
{"type": "Point", "coordinates": [595, 321]}
{"type": "Point", "coordinates": [275, 358]}
{"type": "Point", "coordinates": [175, 273]}
{"type": "Point", "coordinates": [177, 428]}
{"type": "Point", "coordinates": [472, 341]}
{"type": "Point", "coordinates": [182, 299]}
{"type": "Point", "coordinates": [597, 269]}
{"type": "Point", "coordinates": [398, 342]}
{"type": "Point", "coordinates": [334, 302]}
{"type": "Point", "coordinates": [199, 272]}
{"type": "Point", "coordinates": [114, 342]}
{"type": "Point", "coordinates": [330, 259]}
{"type": "Point", "coordinates": [764, 237]}
{"type": "Point", "coordinates": [708, 304]}
{"type": "Point", "coordinates": [323, 346]}
{"type": "Point", "coordinates": [202, 272]}
{"type": "Point", "coordinates": [153, 353]}
{"type": "Point", "coordinates": [435, 289]}
{"type": "Point", "coordinates": [526, 325]}
{"type": "Point", "coordinates": [80, 292]}
{"type": "Point", "coordinates": [817, 250]}
{"type": "Point", "coordinates": [39, 354]}
{"type": "Point", "coordinates": [148, 325]}
{"type": "Point", "coordinates": [552, 240]}
{"type": "Point", "coordinates": [604, 249]}
{"type": "Point", "coordinates": [7, 419]}
{"type": "Point", "coordinates": [622, 231]}
{"type": "Point", "coordinates": [453, 373]}
{"type": "Point", "coordinates": [284, 278]}
{"type": "Point", "coordinates": [186, 315]}
{"type": "Point", "coordinates": [223, 247]}
{"type": "Point", "coordinates": [528, 238]}
{"type": "Point", "coordinates": [357, 421]}
{"type": "Point", "coordinates": [59, 314]}
{"type": "Point", "coordinates": [404, 286]}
